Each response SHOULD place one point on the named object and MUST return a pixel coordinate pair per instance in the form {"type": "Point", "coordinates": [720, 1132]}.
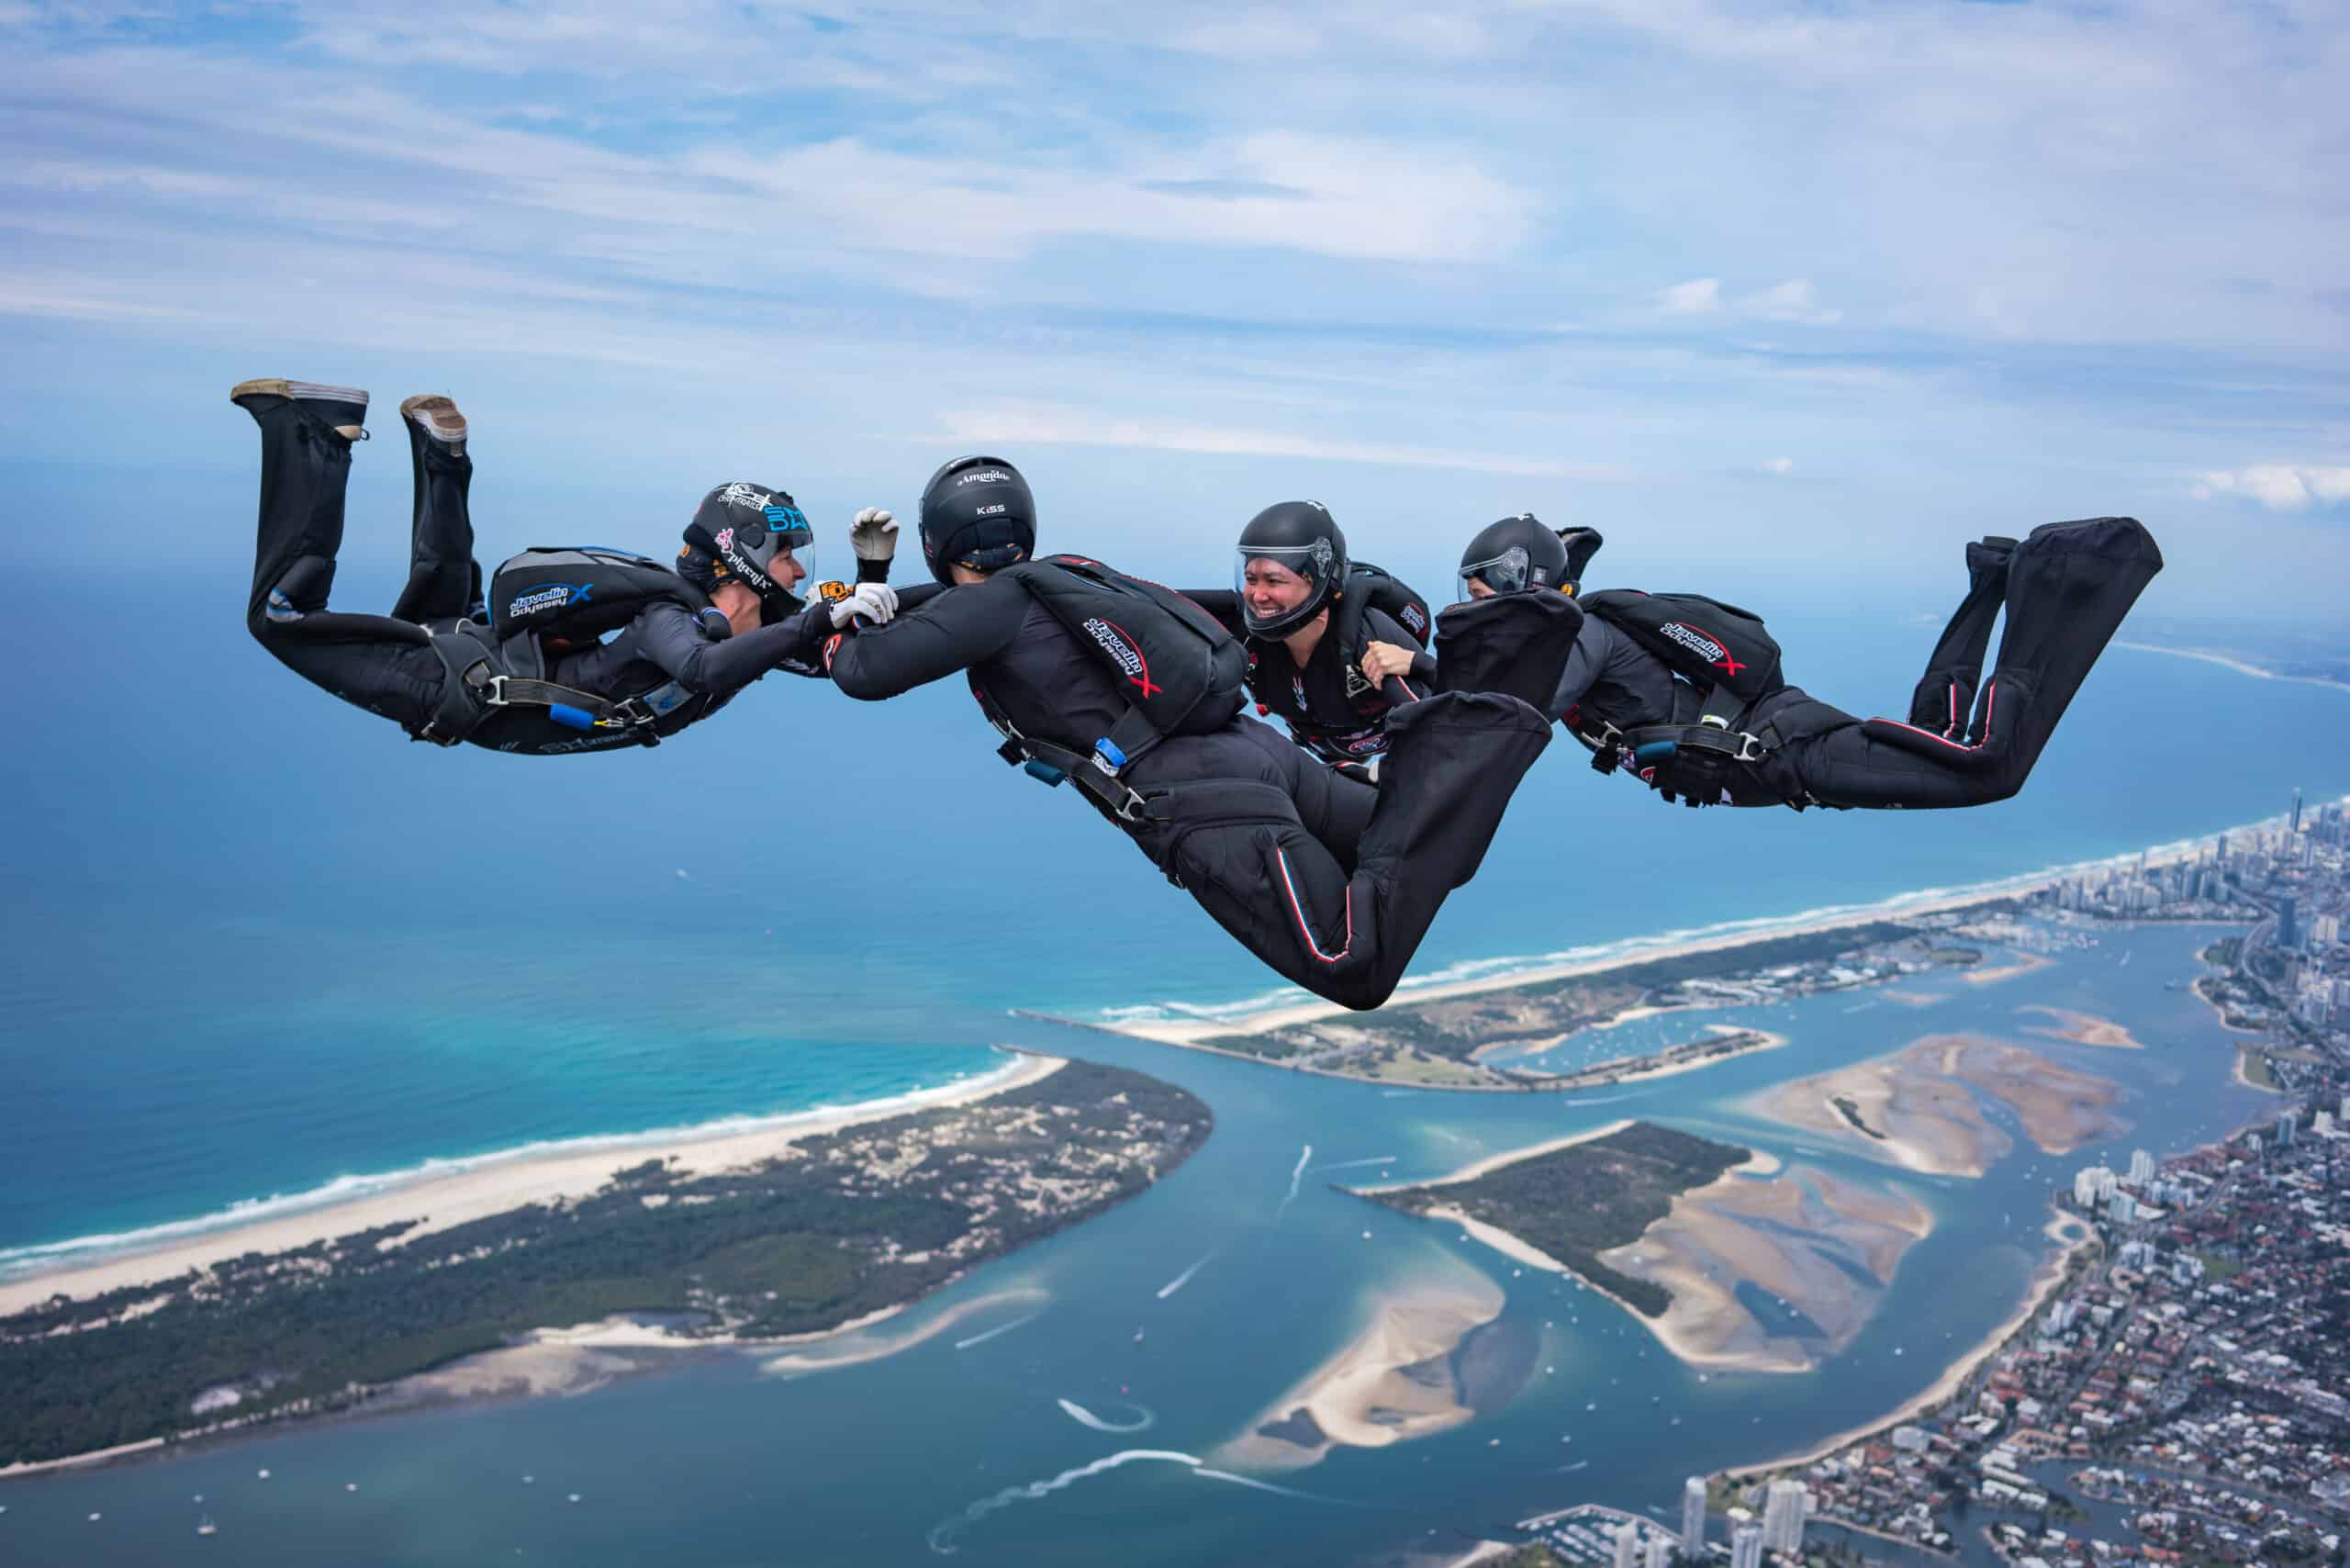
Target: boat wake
{"type": "Point", "coordinates": [1084, 1418]}
{"type": "Point", "coordinates": [942, 1536]}
{"type": "Point", "coordinates": [999, 1329]}
{"type": "Point", "coordinates": [1294, 1178]}
{"type": "Point", "coordinates": [1180, 1280]}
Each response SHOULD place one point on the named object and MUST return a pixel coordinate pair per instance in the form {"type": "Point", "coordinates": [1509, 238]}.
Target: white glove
{"type": "Point", "coordinates": [876, 602]}
{"type": "Point", "coordinates": [873, 534]}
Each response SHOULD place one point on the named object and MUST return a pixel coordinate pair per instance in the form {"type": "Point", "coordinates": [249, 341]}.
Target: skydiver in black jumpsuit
{"type": "Point", "coordinates": [2064, 589]}
{"type": "Point", "coordinates": [387, 663]}
{"type": "Point", "coordinates": [1330, 881]}
{"type": "Point", "coordinates": [1291, 577]}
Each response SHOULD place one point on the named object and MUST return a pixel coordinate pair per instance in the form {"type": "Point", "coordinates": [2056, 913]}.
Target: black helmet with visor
{"type": "Point", "coordinates": [1296, 539]}
{"type": "Point", "coordinates": [1513, 556]}
{"type": "Point", "coordinates": [745, 529]}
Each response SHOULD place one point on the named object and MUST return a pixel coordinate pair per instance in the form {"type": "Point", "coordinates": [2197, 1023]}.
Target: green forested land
{"type": "Point", "coordinates": [1580, 1201]}
{"type": "Point", "coordinates": [803, 1243]}
{"type": "Point", "coordinates": [1450, 1029]}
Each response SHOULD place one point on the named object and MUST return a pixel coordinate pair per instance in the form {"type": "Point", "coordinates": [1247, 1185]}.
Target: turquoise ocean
{"type": "Point", "coordinates": [263, 952]}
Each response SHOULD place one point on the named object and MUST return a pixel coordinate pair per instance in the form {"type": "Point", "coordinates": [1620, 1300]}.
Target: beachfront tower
{"type": "Point", "coordinates": [1784, 1507]}
{"type": "Point", "coordinates": [2092, 1185]}
{"type": "Point", "coordinates": [1746, 1547]}
{"type": "Point", "coordinates": [2288, 933]}
{"type": "Point", "coordinates": [2285, 1130]}
{"type": "Point", "coordinates": [2142, 1168]}
{"type": "Point", "coordinates": [2297, 813]}
{"type": "Point", "coordinates": [1693, 1506]}
{"type": "Point", "coordinates": [1659, 1553]}
{"type": "Point", "coordinates": [1628, 1545]}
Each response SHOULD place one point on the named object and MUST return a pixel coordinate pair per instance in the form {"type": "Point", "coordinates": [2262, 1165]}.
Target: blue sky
{"type": "Point", "coordinates": [1780, 296]}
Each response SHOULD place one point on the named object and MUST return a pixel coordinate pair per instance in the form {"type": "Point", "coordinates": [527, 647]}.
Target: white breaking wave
{"type": "Point", "coordinates": [1085, 1417]}
{"type": "Point", "coordinates": [1180, 1280]}
{"type": "Point", "coordinates": [999, 1328]}
{"type": "Point", "coordinates": [47, 1255]}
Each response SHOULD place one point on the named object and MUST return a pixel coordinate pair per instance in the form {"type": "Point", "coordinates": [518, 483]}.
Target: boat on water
{"type": "Point", "coordinates": [205, 1527]}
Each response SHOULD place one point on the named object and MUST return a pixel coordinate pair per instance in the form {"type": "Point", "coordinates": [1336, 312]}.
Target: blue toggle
{"type": "Point", "coordinates": [577, 718]}
{"type": "Point", "coordinates": [1043, 771]}
{"type": "Point", "coordinates": [1107, 751]}
{"type": "Point", "coordinates": [1655, 751]}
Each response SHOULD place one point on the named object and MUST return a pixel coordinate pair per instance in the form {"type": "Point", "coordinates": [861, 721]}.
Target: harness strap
{"type": "Point", "coordinates": [1095, 774]}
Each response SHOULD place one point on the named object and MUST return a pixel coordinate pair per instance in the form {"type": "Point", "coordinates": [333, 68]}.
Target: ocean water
{"type": "Point", "coordinates": [261, 945]}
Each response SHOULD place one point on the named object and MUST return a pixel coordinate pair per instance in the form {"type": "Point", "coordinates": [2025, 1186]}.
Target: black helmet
{"type": "Point", "coordinates": [977, 512]}
{"type": "Point", "coordinates": [1303, 539]}
{"type": "Point", "coordinates": [743, 528]}
{"type": "Point", "coordinates": [1514, 555]}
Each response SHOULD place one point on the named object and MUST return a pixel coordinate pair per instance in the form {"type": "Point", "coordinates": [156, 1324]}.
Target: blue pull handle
{"type": "Point", "coordinates": [1655, 751]}
{"type": "Point", "coordinates": [577, 718]}
{"type": "Point", "coordinates": [1043, 771]}
{"type": "Point", "coordinates": [1107, 750]}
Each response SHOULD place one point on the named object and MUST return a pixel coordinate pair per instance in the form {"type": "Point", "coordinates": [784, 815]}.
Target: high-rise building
{"type": "Point", "coordinates": [2296, 825]}
{"type": "Point", "coordinates": [2321, 1122]}
{"type": "Point", "coordinates": [2120, 1208]}
{"type": "Point", "coordinates": [2092, 1185]}
{"type": "Point", "coordinates": [2142, 1168]}
{"type": "Point", "coordinates": [2285, 1126]}
{"type": "Point", "coordinates": [2288, 935]}
{"type": "Point", "coordinates": [1784, 1505]}
{"type": "Point", "coordinates": [1692, 1517]}
{"type": "Point", "coordinates": [1628, 1545]}
{"type": "Point", "coordinates": [1746, 1547]}
{"type": "Point", "coordinates": [1659, 1554]}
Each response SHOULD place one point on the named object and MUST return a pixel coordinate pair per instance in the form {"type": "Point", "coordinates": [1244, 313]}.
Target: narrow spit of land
{"type": "Point", "coordinates": [808, 1231]}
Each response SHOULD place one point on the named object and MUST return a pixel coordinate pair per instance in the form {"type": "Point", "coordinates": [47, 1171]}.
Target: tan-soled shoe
{"type": "Point", "coordinates": [438, 416]}
{"type": "Point", "coordinates": [345, 408]}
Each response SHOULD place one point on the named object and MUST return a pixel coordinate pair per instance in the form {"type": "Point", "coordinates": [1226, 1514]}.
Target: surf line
{"type": "Point", "coordinates": [999, 1328]}
{"type": "Point", "coordinates": [1295, 1176]}
{"type": "Point", "coordinates": [1180, 1280]}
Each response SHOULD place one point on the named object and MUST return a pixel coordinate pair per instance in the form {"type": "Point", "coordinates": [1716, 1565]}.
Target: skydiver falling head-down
{"type": "Point", "coordinates": [1685, 692]}
{"type": "Point", "coordinates": [1305, 612]}
{"type": "Point", "coordinates": [1132, 693]}
{"type": "Point", "coordinates": [531, 670]}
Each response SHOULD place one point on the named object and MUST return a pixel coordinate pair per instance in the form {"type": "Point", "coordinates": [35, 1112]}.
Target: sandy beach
{"type": "Point", "coordinates": [1916, 1111]}
{"type": "Point", "coordinates": [1801, 1235]}
{"type": "Point", "coordinates": [1491, 1162]}
{"type": "Point", "coordinates": [496, 1186]}
{"type": "Point", "coordinates": [1389, 1384]}
{"type": "Point", "coordinates": [2082, 1028]}
{"type": "Point", "coordinates": [2071, 1236]}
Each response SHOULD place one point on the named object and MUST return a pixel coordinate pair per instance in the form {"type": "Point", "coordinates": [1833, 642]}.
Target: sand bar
{"type": "Point", "coordinates": [2083, 1028]}
{"type": "Point", "coordinates": [1493, 1162]}
{"type": "Point", "coordinates": [496, 1186]}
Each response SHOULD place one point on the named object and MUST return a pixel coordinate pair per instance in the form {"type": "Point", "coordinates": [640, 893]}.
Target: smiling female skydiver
{"type": "Point", "coordinates": [1684, 693]}
{"type": "Point", "coordinates": [530, 673]}
{"type": "Point", "coordinates": [1132, 693]}
{"type": "Point", "coordinates": [1306, 612]}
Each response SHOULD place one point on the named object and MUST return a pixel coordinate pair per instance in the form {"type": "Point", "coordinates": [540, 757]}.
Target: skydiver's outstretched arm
{"type": "Point", "coordinates": [672, 637]}
{"type": "Point", "coordinates": [946, 635]}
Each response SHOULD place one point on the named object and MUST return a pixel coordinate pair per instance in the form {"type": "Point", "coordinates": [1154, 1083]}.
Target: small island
{"type": "Point", "coordinates": [1574, 1200]}
{"type": "Point", "coordinates": [820, 1228]}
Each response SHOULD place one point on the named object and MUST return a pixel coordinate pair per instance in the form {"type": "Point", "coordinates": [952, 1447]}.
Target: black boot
{"type": "Point", "coordinates": [1946, 693]}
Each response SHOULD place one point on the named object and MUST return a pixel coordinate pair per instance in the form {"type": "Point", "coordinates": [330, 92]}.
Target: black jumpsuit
{"type": "Point", "coordinates": [1330, 708]}
{"type": "Point", "coordinates": [386, 664]}
{"type": "Point", "coordinates": [2066, 589]}
{"type": "Point", "coordinates": [1331, 882]}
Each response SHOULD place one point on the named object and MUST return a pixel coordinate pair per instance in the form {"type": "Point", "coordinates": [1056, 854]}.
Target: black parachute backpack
{"type": "Point", "coordinates": [1719, 648]}
{"type": "Point", "coordinates": [1177, 667]}
{"type": "Point", "coordinates": [1376, 587]}
{"type": "Point", "coordinates": [578, 593]}
{"type": "Point", "coordinates": [497, 695]}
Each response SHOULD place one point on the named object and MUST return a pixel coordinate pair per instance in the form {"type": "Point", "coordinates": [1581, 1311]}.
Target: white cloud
{"type": "Point", "coordinates": [1049, 426]}
{"type": "Point", "coordinates": [2279, 487]}
{"type": "Point", "coordinates": [1696, 297]}
{"type": "Point", "coordinates": [1780, 464]}
{"type": "Point", "coordinates": [1794, 300]}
